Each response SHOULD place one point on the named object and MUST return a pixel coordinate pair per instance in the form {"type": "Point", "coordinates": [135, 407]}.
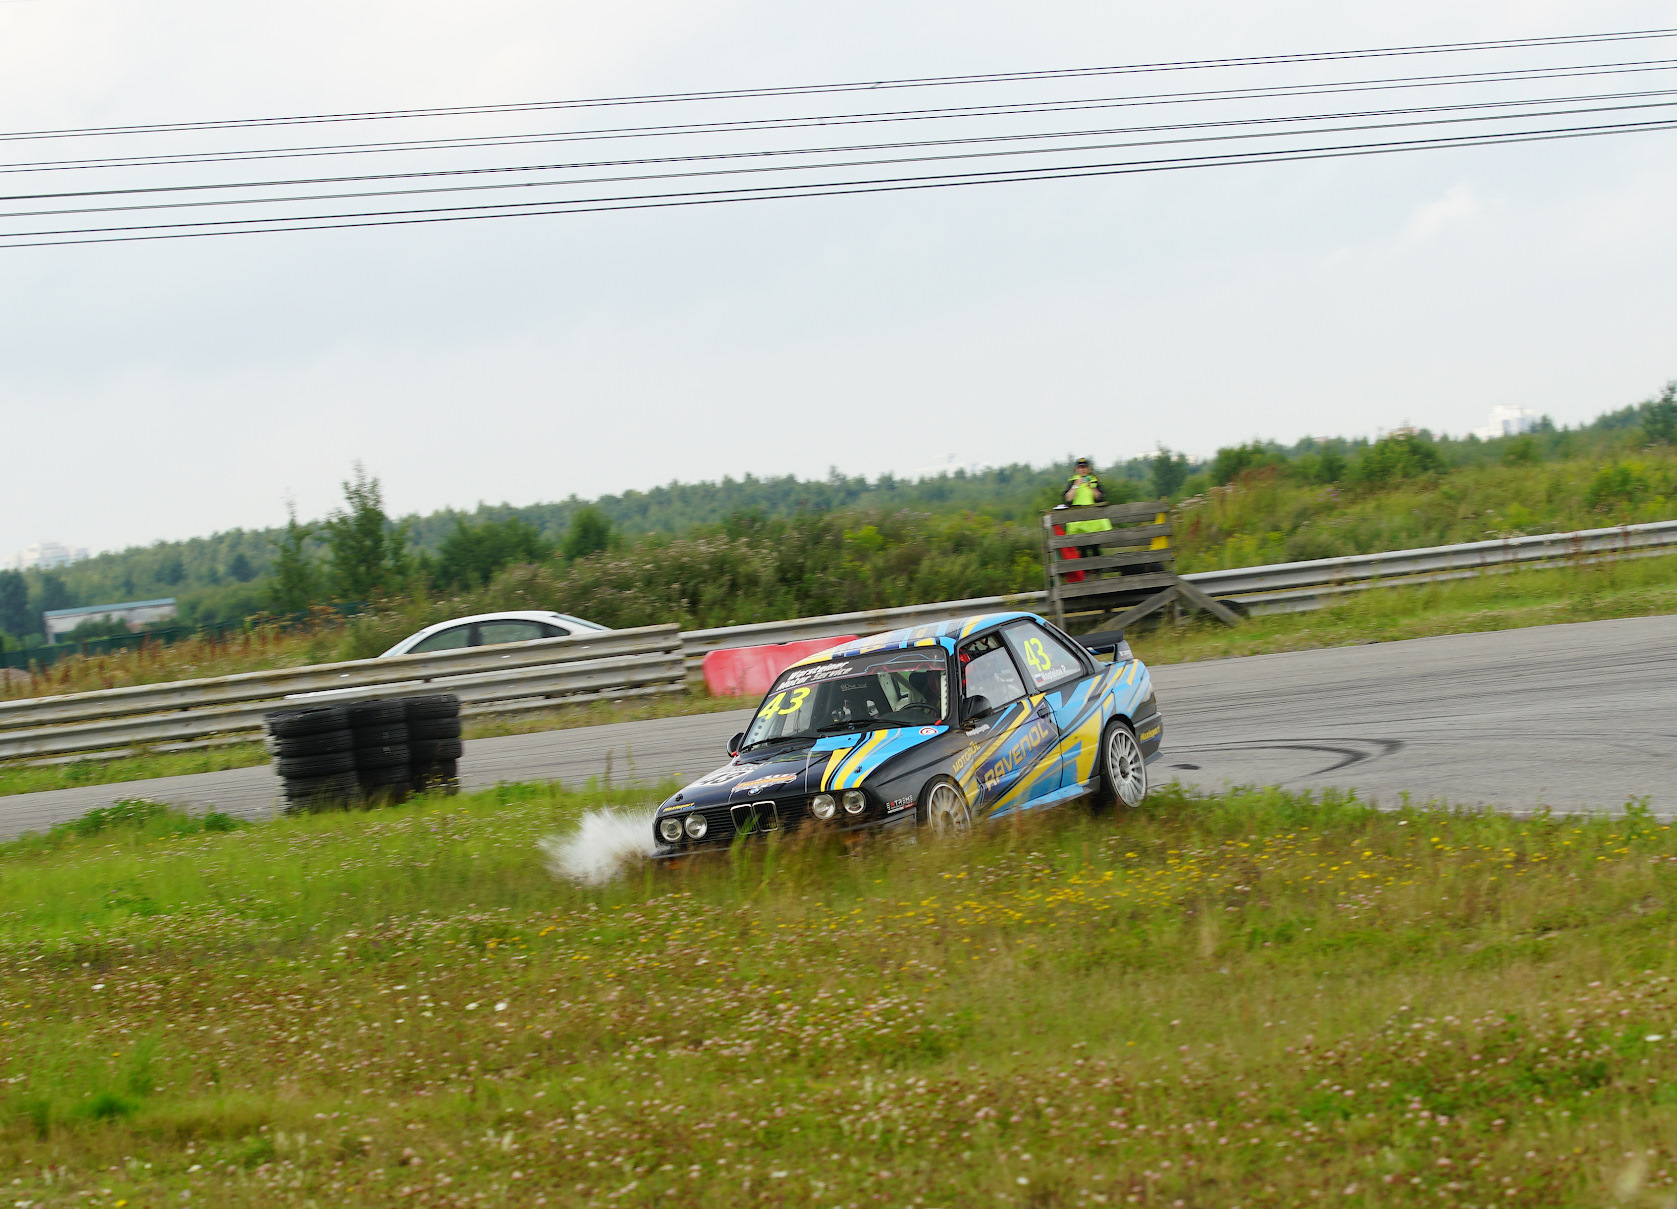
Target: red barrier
{"type": "Point", "coordinates": [747, 671]}
{"type": "Point", "coordinates": [1070, 577]}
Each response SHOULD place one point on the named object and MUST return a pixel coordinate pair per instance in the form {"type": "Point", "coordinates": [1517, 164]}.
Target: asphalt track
{"type": "Point", "coordinates": [1570, 717]}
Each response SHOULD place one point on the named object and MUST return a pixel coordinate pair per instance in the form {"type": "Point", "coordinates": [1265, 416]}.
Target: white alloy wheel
{"type": "Point", "coordinates": [946, 809]}
{"type": "Point", "coordinates": [1126, 771]}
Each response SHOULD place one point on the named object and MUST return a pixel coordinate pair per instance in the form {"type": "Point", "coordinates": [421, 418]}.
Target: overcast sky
{"type": "Point", "coordinates": [170, 389]}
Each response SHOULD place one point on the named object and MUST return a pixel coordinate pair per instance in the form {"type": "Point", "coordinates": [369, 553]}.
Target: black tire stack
{"type": "Point", "coordinates": [381, 749]}
{"type": "Point", "coordinates": [366, 752]}
{"type": "Point", "coordinates": [314, 755]}
{"type": "Point", "coordinates": [434, 743]}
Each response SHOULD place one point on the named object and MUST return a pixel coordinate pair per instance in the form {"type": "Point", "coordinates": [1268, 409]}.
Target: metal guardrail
{"type": "Point", "coordinates": [1296, 587]}
{"type": "Point", "coordinates": [618, 663]}
{"type": "Point", "coordinates": [499, 679]}
{"type": "Point", "coordinates": [1279, 587]}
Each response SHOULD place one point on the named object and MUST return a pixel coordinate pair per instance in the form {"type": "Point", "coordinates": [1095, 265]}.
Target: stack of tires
{"type": "Point", "coordinates": [434, 744]}
{"type": "Point", "coordinates": [380, 729]}
{"type": "Point", "coordinates": [314, 755]}
{"type": "Point", "coordinates": [366, 752]}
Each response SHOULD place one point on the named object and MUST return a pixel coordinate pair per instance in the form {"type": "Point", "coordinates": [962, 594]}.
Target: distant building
{"type": "Point", "coordinates": [1507, 420]}
{"type": "Point", "coordinates": [48, 556]}
{"type": "Point", "coordinates": [134, 613]}
{"type": "Point", "coordinates": [945, 467]}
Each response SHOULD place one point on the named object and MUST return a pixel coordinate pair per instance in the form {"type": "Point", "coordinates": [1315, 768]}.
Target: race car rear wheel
{"type": "Point", "coordinates": [943, 807]}
{"type": "Point", "coordinates": [1123, 769]}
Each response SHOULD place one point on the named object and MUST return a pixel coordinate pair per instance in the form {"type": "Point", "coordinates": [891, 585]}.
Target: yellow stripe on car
{"type": "Point", "coordinates": [847, 774]}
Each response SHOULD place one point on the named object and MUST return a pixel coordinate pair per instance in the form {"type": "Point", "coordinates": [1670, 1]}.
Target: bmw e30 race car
{"type": "Point", "coordinates": [938, 726]}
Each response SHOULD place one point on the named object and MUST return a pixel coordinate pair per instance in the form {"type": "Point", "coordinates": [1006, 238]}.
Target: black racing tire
{"type": "Point", "coordinates": [322, 744]}
{"type": "Point", "coordinates": [376, 713]}
{"type": "Point", "coordinates": [943, 808]}
{"type": "Point", "coordinates": [307, 720]}
{"type": "Point", "coordinates": [322, 793]}
{"type": "Point", "coordinates": [433, 705]}
{"type": "Point", "coordinates": [385, 755]}
{"type": "Point", "coordinates": [430, 751]}
{"type": "Point", "coordinates": [434, 728]}
{"type": "Point", "coordinates": [309, 768]}
{"type": "Point", "coordinates": [1123, 768]}
{"type": "Point", "coordinates": [380, 736]}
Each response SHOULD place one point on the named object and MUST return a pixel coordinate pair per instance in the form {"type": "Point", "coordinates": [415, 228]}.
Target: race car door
{"type": "Point", "coordinates": [1004, 767]}
{"type": "Point", "coordinates": [1053, 668]}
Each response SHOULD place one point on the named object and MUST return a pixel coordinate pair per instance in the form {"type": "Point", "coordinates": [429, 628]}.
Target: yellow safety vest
{"type": "Point", "coordinates": [1082, 496]}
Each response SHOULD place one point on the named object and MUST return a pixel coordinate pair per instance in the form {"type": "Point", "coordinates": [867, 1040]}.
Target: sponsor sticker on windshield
{"type": "Point", "coordinates": [895, 661]}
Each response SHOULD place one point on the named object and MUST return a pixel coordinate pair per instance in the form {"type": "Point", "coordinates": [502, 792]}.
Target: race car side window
{"type": "Point", "coordinates": [1046, 660]}
{"type": "Point", "coordinates": [987, 671]}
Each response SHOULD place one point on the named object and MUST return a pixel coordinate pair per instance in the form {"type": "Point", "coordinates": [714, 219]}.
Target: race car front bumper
{"type": "Point", "coordinates": [715, 842]}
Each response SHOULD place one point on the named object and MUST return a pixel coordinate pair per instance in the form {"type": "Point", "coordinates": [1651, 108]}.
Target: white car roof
{"type": "Point", "coordinates": [524, 615]}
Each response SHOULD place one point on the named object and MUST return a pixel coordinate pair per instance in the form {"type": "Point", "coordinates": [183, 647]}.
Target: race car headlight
{"type": "Point", "coordinates": [697, 826]}
{"type": "Point", "coordinates": [670, 829]}
{"type": "Point", "coordinates": [855, 801]}
{"type": "Point", "coordinates": [822, 806]}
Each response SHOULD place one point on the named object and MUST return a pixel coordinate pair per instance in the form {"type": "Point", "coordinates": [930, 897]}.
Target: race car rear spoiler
{"type": "Point", "coordinates": [1108, 642]}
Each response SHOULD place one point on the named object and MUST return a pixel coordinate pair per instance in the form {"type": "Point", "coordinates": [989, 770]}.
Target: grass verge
{"type": "Point", "coordinates": [1256, 999]}
{"type": "Point", "coordinates": [22, 776]}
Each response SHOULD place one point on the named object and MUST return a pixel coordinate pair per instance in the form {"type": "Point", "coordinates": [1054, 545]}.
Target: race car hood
{"type": "Point", "coordinates": [834, 763]}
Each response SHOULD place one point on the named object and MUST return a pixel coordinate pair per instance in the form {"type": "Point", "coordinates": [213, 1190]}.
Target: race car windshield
{"type": "Point", "coordinates": [868, 692]}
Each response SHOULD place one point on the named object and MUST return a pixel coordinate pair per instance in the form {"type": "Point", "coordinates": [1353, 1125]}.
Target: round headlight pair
{"type": "Point", "coordinates": [823, 807]}
{"type": "Point", "coordinates": [672, 826]}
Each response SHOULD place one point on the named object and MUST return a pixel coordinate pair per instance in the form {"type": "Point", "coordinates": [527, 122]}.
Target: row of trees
{"type": "Point", "coordinates": [358, 553]}
{"type": "Point", "coordinates": [1407, 455]}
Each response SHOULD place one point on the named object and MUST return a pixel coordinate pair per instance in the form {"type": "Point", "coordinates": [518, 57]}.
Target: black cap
{"type": "Point", "coordinates": [1084, 462]}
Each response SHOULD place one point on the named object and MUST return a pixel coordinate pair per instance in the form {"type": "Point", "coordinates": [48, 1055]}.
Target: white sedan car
{"type": "Point", "coordinates": [489, 629]}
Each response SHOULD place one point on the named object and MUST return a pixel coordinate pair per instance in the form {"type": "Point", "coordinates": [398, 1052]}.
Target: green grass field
{"type": "Point", "coordinates": [25, 776]}
{"type": "Point", "coordinates": [1249, 1000]}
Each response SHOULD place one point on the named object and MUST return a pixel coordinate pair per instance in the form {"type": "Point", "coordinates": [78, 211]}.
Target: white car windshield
{"type": "Point", "coordinates": [865, 692]}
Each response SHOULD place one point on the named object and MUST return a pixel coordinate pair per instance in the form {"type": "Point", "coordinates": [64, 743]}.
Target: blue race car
{"type": "Point", "coordinates": [937, 726]}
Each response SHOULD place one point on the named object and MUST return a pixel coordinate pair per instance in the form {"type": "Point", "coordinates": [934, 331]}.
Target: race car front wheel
{"type": "Point", "coordinates": [943, 807]}
{"type": "Point", "coordinates": [1123, 770]}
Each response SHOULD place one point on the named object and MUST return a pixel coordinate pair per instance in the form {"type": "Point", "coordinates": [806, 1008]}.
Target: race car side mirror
{"type": "Point", "coordinates": [975, 707]}
{"type": "Point", "coordinates": [737, 742]}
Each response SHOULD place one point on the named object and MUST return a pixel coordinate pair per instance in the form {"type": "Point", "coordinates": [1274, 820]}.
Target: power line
{"type": "Point", "coordinates": [856, 86]}
{"type": "Point", "coordinates": [157, 231]}
{"type": "Point", "coordinates": [1238, 129]}
{"type": "Point", "coordinates": [756, 125]}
